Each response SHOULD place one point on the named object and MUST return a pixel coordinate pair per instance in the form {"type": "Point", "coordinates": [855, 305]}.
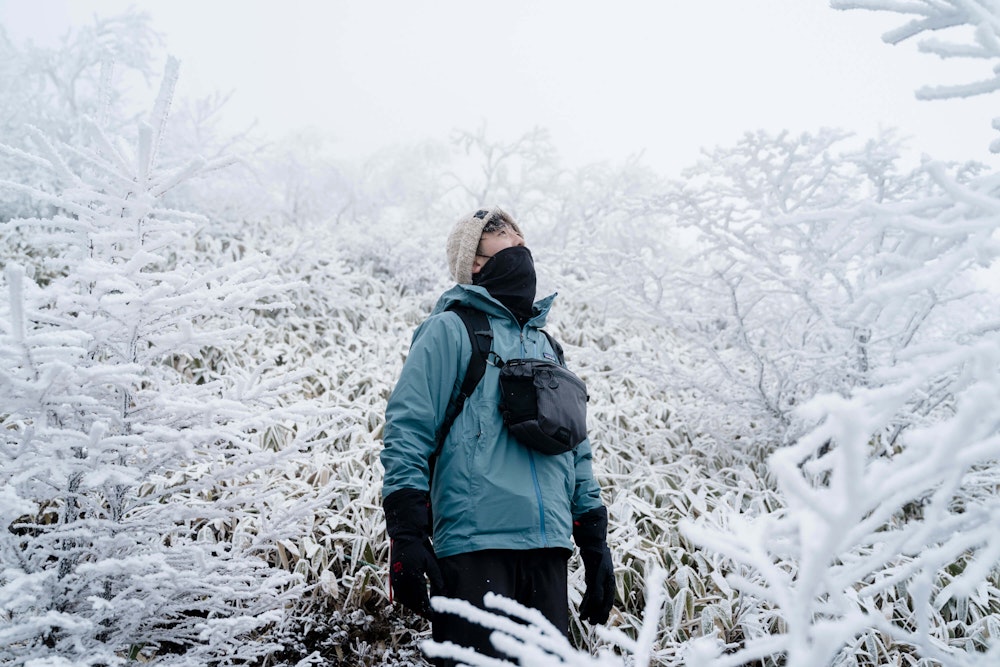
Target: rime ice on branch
{"type": "Point", "coordinates": [934, 15]}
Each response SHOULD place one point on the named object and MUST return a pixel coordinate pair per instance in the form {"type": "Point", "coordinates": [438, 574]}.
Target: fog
{"type": "Point", "coordinates": [661, 79]}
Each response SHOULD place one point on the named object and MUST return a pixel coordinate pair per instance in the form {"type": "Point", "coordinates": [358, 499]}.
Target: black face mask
{"type": "Point", "coordinates": [509, 277]}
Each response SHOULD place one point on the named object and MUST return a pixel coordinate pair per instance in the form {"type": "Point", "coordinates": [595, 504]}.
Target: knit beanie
{"type": "Point", "coordinates": [463, 241]}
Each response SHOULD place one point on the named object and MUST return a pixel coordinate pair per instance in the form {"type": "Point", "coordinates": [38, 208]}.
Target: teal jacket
{"type": "Point", "coordinates": [489, 491]}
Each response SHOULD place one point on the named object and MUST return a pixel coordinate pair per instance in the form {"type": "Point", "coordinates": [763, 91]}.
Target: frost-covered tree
{"type": "Point", "coordinates": [521, 173]}
{"type": "Point", "coordinates": [883, 549]}
{"type": "Point", "coordinates": [886, 543]}
{"type": "Point", "coordinates": [55, 88]}
{"type": "Point", "coordinates": [603, 241]}
{"type": "Point", "coordinates": [137, 508]}
{"type": "Point", "coordinates": [786, 234]}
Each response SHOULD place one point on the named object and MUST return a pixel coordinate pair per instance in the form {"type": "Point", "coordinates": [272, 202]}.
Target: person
{"type": "Point", "coordinates": [503, 514]}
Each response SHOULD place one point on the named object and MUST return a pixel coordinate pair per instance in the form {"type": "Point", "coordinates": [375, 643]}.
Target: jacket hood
{"type": "Point", "coordinates": [477, 297]}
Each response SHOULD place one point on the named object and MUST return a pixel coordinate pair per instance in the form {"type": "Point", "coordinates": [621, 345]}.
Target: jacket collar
{"type": "Point", "coordinates": [477, 297]}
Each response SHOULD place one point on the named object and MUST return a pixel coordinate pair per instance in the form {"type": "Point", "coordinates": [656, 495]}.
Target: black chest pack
{"type": "Point", "coordinates": [544, 404]}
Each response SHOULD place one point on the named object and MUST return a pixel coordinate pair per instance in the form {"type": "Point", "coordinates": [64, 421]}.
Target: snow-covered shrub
{"type": "Point", "coordinates": [886, 545]}
{"type": "Point", "coordinates": [55, 89]}
{"type": "Point", "coordinates": [883, 549]}
{"type": "Point", "coordinates": [345, 332]}
{"type": "Point", "coordinates": [528, 638]}
{"type": "Point", "coordinates": [124, 461]}
{"type": "Point", "coordinates": [788, 237]}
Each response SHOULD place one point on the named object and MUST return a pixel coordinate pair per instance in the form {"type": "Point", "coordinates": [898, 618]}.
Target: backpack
{"type": "Point", "coordinates": [544, 404]}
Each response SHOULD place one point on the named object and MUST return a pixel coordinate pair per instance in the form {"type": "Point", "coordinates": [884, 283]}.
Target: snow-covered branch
{"type": "Point", "coordinates": [938, 15]}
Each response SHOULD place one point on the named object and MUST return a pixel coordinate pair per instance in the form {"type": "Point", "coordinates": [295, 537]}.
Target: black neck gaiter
{"type": "Point", "coordinates": [509, 277]}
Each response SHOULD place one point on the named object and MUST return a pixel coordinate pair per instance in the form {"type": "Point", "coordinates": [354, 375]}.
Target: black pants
{"type": "Point", "coordinates": [535, 578]}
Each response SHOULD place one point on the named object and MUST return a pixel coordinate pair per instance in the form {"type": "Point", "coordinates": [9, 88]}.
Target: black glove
{"type": "Point", "coordinates": [411, 557]}
{"type": "Point", "coordinates": [590, 532]}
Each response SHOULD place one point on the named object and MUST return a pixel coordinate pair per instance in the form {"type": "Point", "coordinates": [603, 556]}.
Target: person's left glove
{"type": "Point", "coordinates": [590, 532]}
{"type": "Point", "coordinates": [411, 556]}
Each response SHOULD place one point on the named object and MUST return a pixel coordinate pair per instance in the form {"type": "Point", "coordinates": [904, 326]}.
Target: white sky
{"type": "Point", "coordinates": [607, 79]}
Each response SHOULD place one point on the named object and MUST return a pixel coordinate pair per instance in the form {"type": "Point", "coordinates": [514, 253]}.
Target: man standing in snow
{"type": "Point", "coordinates": [503, 514]}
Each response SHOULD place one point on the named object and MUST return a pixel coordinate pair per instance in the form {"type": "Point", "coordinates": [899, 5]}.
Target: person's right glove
{"type": "Point", "coordinates": [411, 557]}
{"type": "Point", "coordinates": [590, 532]}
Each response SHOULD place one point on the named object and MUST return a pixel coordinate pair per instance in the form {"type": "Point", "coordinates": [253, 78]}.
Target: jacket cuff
{"type": "Point", "coordinates": [591, 528]}
{"type": "Point", "coordinates": [407, 514]}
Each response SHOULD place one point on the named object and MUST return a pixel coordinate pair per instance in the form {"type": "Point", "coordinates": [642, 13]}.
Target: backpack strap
{"type": "Point", "coordinates": [477, 325]}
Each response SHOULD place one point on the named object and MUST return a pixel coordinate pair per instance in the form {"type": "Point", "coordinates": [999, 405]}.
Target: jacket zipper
{"type": "Point", "coordinates": [534, 472]}
{"type": "Point", "coordinates": [538, 495]}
